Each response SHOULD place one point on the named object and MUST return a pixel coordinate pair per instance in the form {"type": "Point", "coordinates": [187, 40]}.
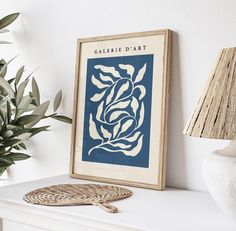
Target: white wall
{"type": "Point", "coordinates": [45, 36]}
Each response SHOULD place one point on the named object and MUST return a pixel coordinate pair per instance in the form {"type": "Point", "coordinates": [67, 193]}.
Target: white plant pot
{"type": "Point", "coordinates": [219, 173]}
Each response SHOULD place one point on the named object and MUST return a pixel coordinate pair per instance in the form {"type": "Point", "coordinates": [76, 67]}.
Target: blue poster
{"type": "Point", "coordinates": [118, 110]}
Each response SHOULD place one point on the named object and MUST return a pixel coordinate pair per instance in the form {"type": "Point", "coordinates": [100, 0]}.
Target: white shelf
{"type": "Point", "coordinates": [173, 209]}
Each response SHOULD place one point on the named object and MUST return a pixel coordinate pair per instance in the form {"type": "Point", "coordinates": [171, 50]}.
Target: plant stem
{"type": "Point", "coordinates": [48, 116]}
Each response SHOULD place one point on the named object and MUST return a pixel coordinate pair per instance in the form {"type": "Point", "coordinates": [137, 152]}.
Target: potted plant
{"type": "Point", "coordinates": [20, 110]}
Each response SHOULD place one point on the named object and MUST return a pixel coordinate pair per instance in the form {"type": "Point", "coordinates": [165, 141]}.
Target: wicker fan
{"type": "Point", "coordinates": [78, 194]}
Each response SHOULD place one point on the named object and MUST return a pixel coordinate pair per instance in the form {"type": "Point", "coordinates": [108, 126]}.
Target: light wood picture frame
{"type": "Point", "coordinates": [119, 127]}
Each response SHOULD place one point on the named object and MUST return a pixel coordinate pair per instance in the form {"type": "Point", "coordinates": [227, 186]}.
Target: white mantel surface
{"type": "Point", "coordinates": [173, 209]}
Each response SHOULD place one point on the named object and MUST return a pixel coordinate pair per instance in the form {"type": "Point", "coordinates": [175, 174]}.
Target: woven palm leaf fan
{"type": "Point", "coordinates": [78, 194]}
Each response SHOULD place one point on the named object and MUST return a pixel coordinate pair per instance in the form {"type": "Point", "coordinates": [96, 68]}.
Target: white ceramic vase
{"type": "Point", "coordinates": [219, 173]}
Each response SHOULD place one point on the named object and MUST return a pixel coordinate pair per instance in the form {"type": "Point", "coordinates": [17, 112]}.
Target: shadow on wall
{"type": "Point", "coordinates": [176, 157]}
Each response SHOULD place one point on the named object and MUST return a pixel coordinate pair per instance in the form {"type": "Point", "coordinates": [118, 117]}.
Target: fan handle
{"type": "Point", "coordinates": [107, 207]}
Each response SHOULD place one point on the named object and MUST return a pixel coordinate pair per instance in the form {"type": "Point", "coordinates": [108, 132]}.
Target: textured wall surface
{"type": "Point", "coordinates": [45, 37]}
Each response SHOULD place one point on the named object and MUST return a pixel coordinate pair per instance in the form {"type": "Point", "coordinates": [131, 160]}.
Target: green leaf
{"type": "Point", "coordinates": [7, 20]}
{"type": "Point", "coordinates": [13, 127]}
{"type": "Point", "coordinates": [19, 74]}
{"type": "Point", "coordinates": [31, 131]}
{"type": "Point", "coordinates": [57, 100]}
{"type": "Point", "coordinates": [3, 151]}
{"type": "Point", "coordinates": [62, 118]}
{"type": "Point", "coordinates": [23, 120]}
{"type": "Point", "coordinates": [6, 159]}
{"type": "Point", "coordinates": [4, 164]}
{"type": "Point", "coordinates": [31, 95]}
{"type": "Point", "coordinates": [24, 105]}
{"type": "Point", "coordinates": [16, 156]}
{"type": "Point", "coordinates": [24, 136]}
{"type": "Point", "coordinates": [7, 87]}
{"type": "Point", "coordinates": [2, 63]}
{"type": "Point", "coordinates": [4, 93]}
{"type": "Point", "coordinates": [33, 100]}
{"type": "Point", "coordinates": [22, 145]}
{"type": "Point", "coordinates": [13, 100]}
{"type": "Point", "coordinates": [20, 131]}
{"type": "Point", "coordinates": [35, 131]}
{"type": "Point", "coordinates": [32, 73]}
{"type": "Point", "coordinates": [8, 133]}
{"type": "Point", "coordinates": [3, 68]}
{"type": "Point", "coordinates": [8, 111]}
{"type": "Point", "coordinates": [17, 147]}
{"type": "Point", "coordinates": [35, 92]}
{"type": "Point", "coordinates": [2, 115]}
{"type": "Point", "coordinates": [20, 91]}
{"type": "Point", "coordinates": [2, 170]}
{"type": "Point", "coordinates": [40, 111]}
{"type": "Point", "coordinates": [31, 106]}
{"type": "Point", "coordinates": [10, 80]}
{"type": "Point", "coordinates": [11, 143]}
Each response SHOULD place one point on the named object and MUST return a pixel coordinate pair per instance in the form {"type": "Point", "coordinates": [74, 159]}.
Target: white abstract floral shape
{"type": "Point", "coordinates": [105, 132]}
{"type": "Point", "coordinates": [98, 84]}
{"type": "Point", "coordinates": [128, 68]}
{"type": "Point", "coordinates": [126, 125]}
{"type": "Point", "coordinates": [134, 137]}
{"type": "Point", "coordinates": [114, 115]}
{"type": "Point", "coordinates": [134, 104]}
{"type": "Point", "coordinates": [99, 111]}
{"type": "Point", "coordinates": [140, 74]}
{"type": "Point", "coordinates": [92, 129]}
{"type": "Point", "coordinates": [121, 145]}
{"type": "Point", "coordinates": [111, 94]}
{"type": "Point", "coordinates": [122, 90]}
{"type": "Point", "coordinates": [119, 105]}
{"type": "Point", "coordinates": [106, 78]}
{"type": "Point", "coordinates": [97, 97]}
{"type": "Point", "coordinates": [135, 151]}
{"type": "Point", "coordinates": [116, 129]}
{"type": "Point", "coordinates": [141, 117]}
{"type": "Point", "coordinates": [106, 69]}
{"type": "Point", "coordinates": [142, 91]}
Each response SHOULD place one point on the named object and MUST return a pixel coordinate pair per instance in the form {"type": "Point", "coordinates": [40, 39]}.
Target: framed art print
{"type": "Point", "coordinates": [120, 109]}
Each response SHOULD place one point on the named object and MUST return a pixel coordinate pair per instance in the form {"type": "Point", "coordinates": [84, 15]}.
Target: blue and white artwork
{"type": "Point", "coordinates": [117, 111]}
